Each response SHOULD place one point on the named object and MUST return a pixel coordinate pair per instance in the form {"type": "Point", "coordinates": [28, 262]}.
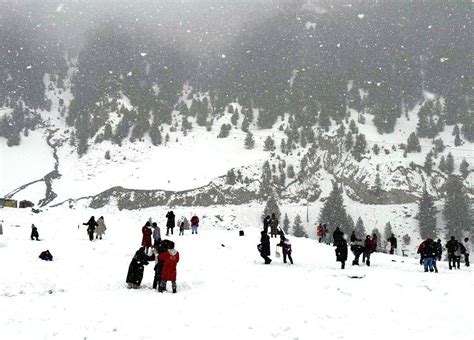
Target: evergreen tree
{"type": "Point", "coordinates": [234, 119]}
{"type": "Point", "coordinates": [426, 216]}
{"type": "Point", "coordinates": [155, 133]}
{"type": "Point", "coordinates": [230, 179]}
{"type": "Point", "coordinates": [376, 149]}
{"type": "Point", "coordinates": [225, 129]}
{"type": "Point", "coordinates": [272, 208]}
{"type": "Point", "coordinates": [324, 120]}
{"type": "Point", "coordinates": [333, 211]}
{"type": "Point", "coordinates": [298, 229]}
{"type": "Point", "coordinates": [455, 130]}
{"type": "Point", "coordinates": [413, 143]}
{"type": "Point", "coordinates": [348, 142]}
{"type": "Point", "coordinates": [359, 147]}
{"type": "Point", "coordinates": [266, 119]}
{"type": "Point", "coordinates": [468, 126]}
{"type": "Point", "coordinates": [406, 239]}
{"type": "Point", "coordinates": [360, 229]}
{"type": "Point", "coordinates": [283, 148]}
{"type": "Point", "coordinates": [249, 141]}
{"type": "Point", "coordinates": [341, 131]}
{"type": "Point", "coordinates": [349, 226]}
{"type": "Point", "coordinates": [245, 125]}
{"type": "Point", "coordinates": [457, 139]}
{"type": "Point", "coordinates": [202, 114]}
{"type": "Point", "coordinates": [449, 163]}
{"type": "Point", "coordinates": [428, 166]}
{"type": "Point", "coordinates": [353, 127]}
{"type": "Point", "coordinates": [266, 185]}
{"type": "Point", "coordinates": [442, 164]}
{"type": "Point", "coordinates": [438, 146]}
{"type": "Point", "coordinates": [377, 185]}
{"type": "Point", "coordinates": [269, 144]}
{"type": "Point", "coordinates": [291, 171]}
{"type": "Point", "coordinates": [464, 168]}
{"type": "Point", "coordinates": [457, 207]}
{"type": "Point", "coordinates": [286, 224]}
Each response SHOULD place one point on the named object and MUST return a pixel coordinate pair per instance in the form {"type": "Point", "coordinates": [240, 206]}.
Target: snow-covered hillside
{"type": "Point", "coordinates": [224, 290]}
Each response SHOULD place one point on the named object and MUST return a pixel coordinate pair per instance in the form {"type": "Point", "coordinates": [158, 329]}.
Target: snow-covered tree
{"type": "Point", "coordinates": [427, 216]}
{"type": "Point", "coordinates": [298, 229]}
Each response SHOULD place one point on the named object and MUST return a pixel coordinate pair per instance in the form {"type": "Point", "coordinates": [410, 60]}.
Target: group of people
{"type": "Point", "coordinates": [98, 227]}
{"type": "Point", "coordinates": [264, 245]}
{"type": "Point", "coordinates": [357, 246]}
{"type": "Point", "coordinates": [431, 251]}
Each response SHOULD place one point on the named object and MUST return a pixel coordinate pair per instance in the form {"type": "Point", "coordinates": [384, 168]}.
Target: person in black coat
{"type": "Point", "coordinates": [91, 224]}
{"type": "Point", "coordinates": [135, 270]}
{"type": "Point", "coordinates": [337, 235]}
{"type": "Point", "coordinates": [439, 250]}
{"type": "Point", "coordinates": [170, 223]}
{"type": "Point", "coordinates": [452, 246]}
{"type": "Point", "coordinates": [393, 243]}
{"type": "Point", "coordinates": [341, 252]}
{"type": "Point", "coordinates": [266, 224]}
{"type": "Point", "coordinates": [163, 247]}
{"type": "Point", "coordinates": [264, 247]}
{"type": "Point", "coordinates": [34, 233]}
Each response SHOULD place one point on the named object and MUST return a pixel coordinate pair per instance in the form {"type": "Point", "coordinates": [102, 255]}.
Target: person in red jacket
{"type": "Point", "coordinates": [146, 239]}
{"type": "Point", "coordinates": [194, 224]}
{"type": "Point", "coordinates": [170, 260]}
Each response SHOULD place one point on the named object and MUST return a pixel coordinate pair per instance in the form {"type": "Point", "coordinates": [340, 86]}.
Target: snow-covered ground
{"type": "Point", "coordinates": [224, 290]}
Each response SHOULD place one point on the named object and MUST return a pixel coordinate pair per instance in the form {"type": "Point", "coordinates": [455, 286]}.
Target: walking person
{"type": "Point", "coordinates": [194, 224]}
{"type": "Point", "coordinates": [429, 256]}
{"type": "Point", "coordinates": [156, 235]}
{"type": "Point", "coordinates": [170, 260]}
{"type": "Point", "coordinates": [91, 224]}
{"type": "Point", "coordinates": [146, 236]}
{"type": "Point", "coordinates": [181, 228]}
{"type": "Point", "coordinates": [452, 247]}
{"type": "Point", "coordinates": [101, 228]}
{"type": "Point", "coordinates": [393, 244]}
{"type": "Point", "coordinates": [264, 247]}
{"type": "Point", "coordinates": [467, 251]}
{"type": "Point", "coordinates": [34, 233]}
{"type": "Point", "coordinates": [341, 252]}
{"type": "Point", "coordinates": [170, 222]}
{"type": "Point", "coordinates": [273, 225]}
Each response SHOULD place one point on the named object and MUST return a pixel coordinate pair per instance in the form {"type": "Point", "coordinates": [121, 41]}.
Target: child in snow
{"type": "Point", "coordinates": [135, 269]}
{"type": "Point", "coordinates": [264, 247]}
{"type": "Point", "coordinates": [287, 251]}
{"type": "Point", "coordinates": [91, 224]}
{"type": "Point", "coordinates": [170, 260]}
{"type": "Point", "coordinates": [101, 228]}
{"type": "Point", "coordinates": [194, 224]}
{"type": "Point", "coordinates": [181, 229]}
{"type": "Point", "coordinates": [341, 252]}
{"type": "Point", "coordinates": [146, 236]}
{"type": "Point", "coordinates": [46, 256]}
{"type": "Point", "coordinates": [34, 233]}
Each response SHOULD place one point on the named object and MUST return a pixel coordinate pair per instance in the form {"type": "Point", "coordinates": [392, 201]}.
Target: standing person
{"type": "Point", "coordinates": [273, 225]}
{"type": "Point", "coordinates": [170, 260]}
{"type": "Point", "coordinates": [101, 228]}
{"type": "Point", "coordinates": [34, 233]}
{"type": "Point", "coordinates": [156, 235]}
{"type": "Point", "coordinates": [356, 248]}
{"type": "Point", "coordinates": [467, 251]}
{"type": "Point", "coordinates": [421, 251]}
{"type": "Point", "coordinates": [341, 252]}
{"type": "Point", "coordinates": [266, 223]}
{"type": "Point", "coordinates": [286, 246]}
{"type": "Point", "coordinates": [319, 232]}
{"type": "Point", "coordinates": [194, 224]}
{"type": "Point", "coordinates": [439, 250]}
{"type": "Point", "coordinates": [163, 246]}
{"type": "Point", "coordinates": [429, 256]}
{"type": "Point", "coordinates": [370, 246]}
{"type": "Point", "coordinates": [337, 235]}
{"type": "Point", "coordinates": [170, 223]}
{"type": "Point", "coordinates": [135, 269]}
{"type": "Point", "coordinates": [91, 224]}
{"type": "Point", "coordinates": [458, 253]}
{"type": "Point", "coordinates": [452, 246]}
{"type": "Point", "coordinates": [393, 244]}
{"type": "Point", "coordinates": [146, 236]}
{"type": "Point", "coordinates": [181, 228]}
{"type": "Point", "coordinates": [264, 247]}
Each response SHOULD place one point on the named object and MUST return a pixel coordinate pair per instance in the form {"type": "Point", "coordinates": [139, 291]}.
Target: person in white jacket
{"type": "Point", "coordinates": [468, 247]}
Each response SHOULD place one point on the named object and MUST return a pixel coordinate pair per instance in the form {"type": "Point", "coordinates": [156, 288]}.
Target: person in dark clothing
{"type": "Point", "coordinates": [354, 238]}
{"type": "Point", "coordinates": [421, 251]}
{"type": "Point", "coordinates": [286, 246]}
{"type": "Point", "coordinates": [46, 256]}
{"type": "Point", "coordinates": [135, 270]}
{"type": "Point", "coordinates": [452, 246]}
{"type": "Point", "coordinates": [181, 229]}
{"type": "Point", "coordinates": [170, 223]}
{"type": "Point", "coordinates": [429, 256]}
{"type": "Point", "coordinates": [170, 259]}
{"type": "Point", "coordinates": [341, 252]}
{"type": "Point", "coordinates": [91, 224]}
{"type": "Point", "coordinates": [266, 224]}
{"type": "Point", "coordinates": [370, 245]}
{"type": "Point", "coordinates": [34, 233]}
{"type": "Point", "coordinates": [264, 247]}
{"type": "Point", "coordinates": [273, 226]}
{"type": "Point", "coordinates": [164, 246]}
{"type": "Point", "coordinates": [357, 250]}
{"type": "Point", "coordinates": [393, 243]}
{"type": "Point", "coordinates": [337, 235]}
{"type": "Point", "coordinates": [439, 250]}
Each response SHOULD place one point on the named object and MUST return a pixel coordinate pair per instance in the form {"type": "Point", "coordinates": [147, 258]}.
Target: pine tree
{"type": "Point", "coordinates": [455, 130]}
{"type": "Point", "coordinates": [360, 229]}
{"type": "Point", "coordinates": [359, 147]}
{"type": "Point", "coordinates": [341, 131]}
{"type": "Point", "coordinates": [286, 224]}
{"type": "Point", "coordinates": [333, 211]}
{"type": "Point", "coordinates": [442, 164]}
{"type": "Point", "coordinates": [298, 229]}
{"type": "Point", "coordinates": [245, 125]}
{"type": "Point", "coordinates": [249, 141]}
{"type": "Point", "coordinates": [324, 120]}
{"type": "Point", "coordinates": [449, 163]}
{"type": "Point", "coordinates": [413, 143]}
{"type": "Point", "coordinates": [349, 226]}
{"type": "Point", "coordinates": [291, 171]}
{"type": "Point", "coordinates": [202, 113]}
{"type": "Point", "coordinates": [283, 146]}
{"type": "Point", "coordinates": [457, 139]}
{"type": "Point", "coordinates": [155, 133]}
{"type": "Point", "coordinates": [269, 144]}
{"type": "Point", "coordinates": [266, 185]}
{"type": "Point", "coordinates": [377, 185]}
{"type": "Point", "coordinates": [428, 166]}
{"type": "Point", "coordinates": [230, 179]}
{"type": "Point", "coordinates": [353, 127]}
{"type": "Point", "coordinates": [376, 149]}
{"type": "Point", "coordinates": [464, 168]}
{"type": "Point", "coordinates": [272, 208]}
{"type": "Point", "coordinates": [225, 129]}
{"type": "Point", "coordinates": [234, 119]}
{"type": "Point", "coordinates": [426, 216]}
{"type": "Point", "coordinates": [348, 142]}
{"type": "Point", "coordinates": [456, 207]}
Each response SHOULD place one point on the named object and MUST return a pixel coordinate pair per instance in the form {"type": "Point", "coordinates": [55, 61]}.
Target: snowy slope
{"type": "Point", "coordinates": [224, 290]}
